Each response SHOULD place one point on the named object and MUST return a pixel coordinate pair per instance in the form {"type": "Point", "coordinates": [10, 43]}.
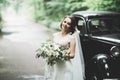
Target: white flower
{"type": "Point", "coordinates": [56, 46]}
{"type": "Point", "coordinates": [57, 53]}
{"type": "Point", "coordinates": [52, 52]}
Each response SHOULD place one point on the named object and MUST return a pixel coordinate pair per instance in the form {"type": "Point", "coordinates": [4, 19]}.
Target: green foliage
{"type": "Point", "coordinates": [4, 4]}
{"type": "Point", "coordinates": [51, 12]}
{"type": "Point", "coordinates": [1, 22]}
{"type": "Point", "coordinates": [108, 5]}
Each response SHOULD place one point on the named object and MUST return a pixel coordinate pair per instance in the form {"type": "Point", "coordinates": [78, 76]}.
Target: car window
{"type": "Point", "coordinates": [80, 24]}
{"type": "Point", "coordinates": [104, 24]}
{"type": "Point", "coordinates": [98, 25]}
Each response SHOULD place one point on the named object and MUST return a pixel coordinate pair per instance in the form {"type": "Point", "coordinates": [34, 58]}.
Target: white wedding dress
{"type": "Point", "coordinates": [72, 69]}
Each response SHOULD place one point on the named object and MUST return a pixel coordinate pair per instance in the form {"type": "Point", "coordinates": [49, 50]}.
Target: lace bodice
{"type": "Point", "coordinates": [63, 41]}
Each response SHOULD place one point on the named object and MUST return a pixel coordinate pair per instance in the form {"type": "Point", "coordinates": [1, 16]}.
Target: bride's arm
{"type": "Point", "coordinates": [72, 48]}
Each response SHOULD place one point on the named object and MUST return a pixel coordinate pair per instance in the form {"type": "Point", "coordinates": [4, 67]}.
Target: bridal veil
{"type": "Point", "coordinates": [78, 60]}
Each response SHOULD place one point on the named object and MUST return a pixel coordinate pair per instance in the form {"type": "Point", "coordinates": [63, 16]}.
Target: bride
{"type": "Point", "coordinates": [72, 69]}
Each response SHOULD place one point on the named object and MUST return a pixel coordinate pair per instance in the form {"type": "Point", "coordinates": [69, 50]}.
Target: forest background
{"type": "Point", "coordinates": [51, 12]}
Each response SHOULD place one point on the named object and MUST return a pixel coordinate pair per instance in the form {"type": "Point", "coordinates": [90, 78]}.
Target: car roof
{"type": "Point", "coordinates": [94, 13]}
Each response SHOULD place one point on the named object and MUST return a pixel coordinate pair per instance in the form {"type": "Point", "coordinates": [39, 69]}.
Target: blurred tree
{"type": "Point", "coordinates": [4, 4]}
{"type": "Point", "coordinates": [17, 5]}
{"type": "Point", "coordinates": [52, 11]}
{"type": "Point", "coordinates": [39, 9]}
{"type": "Point", "coordinates": [1, 2]}
{"type": "Point", "coordinates": [108, 5]}
{"type": "Point", "coordinates": [55, 10]}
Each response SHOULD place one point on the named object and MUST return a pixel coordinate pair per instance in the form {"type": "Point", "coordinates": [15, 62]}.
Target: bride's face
{"type": "Point", "coordinates": [66, 24]}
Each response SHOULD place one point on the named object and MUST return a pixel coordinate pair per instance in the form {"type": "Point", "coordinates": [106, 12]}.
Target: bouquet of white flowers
{"type": "Point", "coordinates": [52, 52]}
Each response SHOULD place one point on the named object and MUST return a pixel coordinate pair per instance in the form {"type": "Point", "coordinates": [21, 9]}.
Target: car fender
{"type": "Point", "coordinates": [101, 65]}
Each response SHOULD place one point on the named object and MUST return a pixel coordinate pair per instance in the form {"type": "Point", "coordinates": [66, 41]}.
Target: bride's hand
{"type": "Point", "coordinates": [67, 57]}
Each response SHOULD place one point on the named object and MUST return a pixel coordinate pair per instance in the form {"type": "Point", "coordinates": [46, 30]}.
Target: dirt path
{"type": "Point", "coordinates": [18, 44]}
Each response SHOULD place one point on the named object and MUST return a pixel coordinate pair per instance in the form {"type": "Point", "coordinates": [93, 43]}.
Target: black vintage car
{"type": "Point", "coordinates": [100, 40]}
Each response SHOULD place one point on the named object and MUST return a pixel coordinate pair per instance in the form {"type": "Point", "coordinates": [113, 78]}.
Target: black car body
{"type": "Point", "coordinates": [100, 40]}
